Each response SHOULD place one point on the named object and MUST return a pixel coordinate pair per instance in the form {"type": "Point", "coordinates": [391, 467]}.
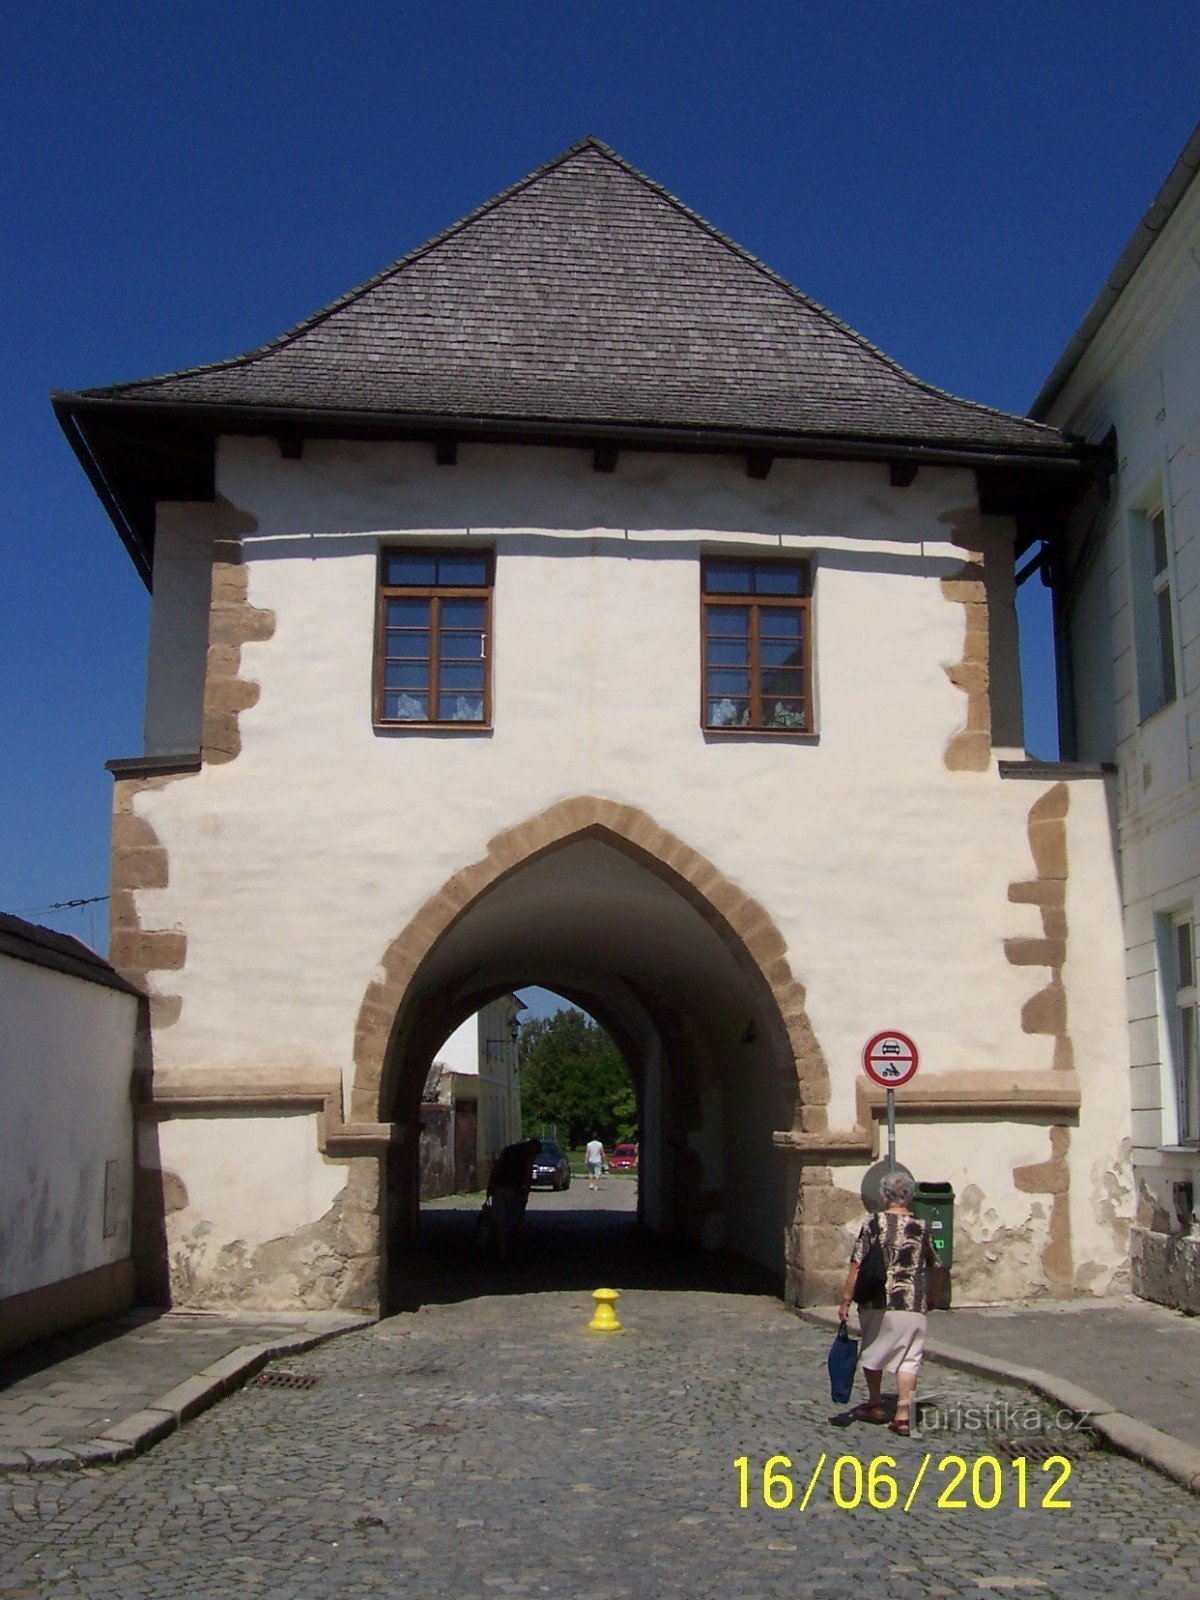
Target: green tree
{"type": "Point", "coordinates": [573, 1074]}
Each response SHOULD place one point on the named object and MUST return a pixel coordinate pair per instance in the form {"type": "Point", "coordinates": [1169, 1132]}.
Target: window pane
{"type": "Point", "coordinates": [408, 613]}
{"type": "Point", "coordinates": [463, 646]}
{"type": "Point", "coordinates": [780, 624]}
{"type": "Point", "coordinates": [728, 713]}
{"type": "Point", "coordinates": [406, 707]}
{"type": "Point", "coordinates": [401, 567]}
{"type": "Point", "coordinates": [1166, 645]}
{"type": "Point", "coordinates": [728, 621]}
{"type": "Point", "coordinates": [728, 577]}
{"type": "Point", "coordinates": [406, 675]}
{"type": "Point", "coordinates": [728, 652]}
{"type": "Point", "coordinates": [460, 708]}
{"type": "Point", "coordinates": [783, 680]}
{"type": "Point", "coordinates": [412, 643]}
{"type": "Point", "coordinates": [1189, 1073]}
{"type": "Point", "coordinates": [460, 675]}
{"type": "Point", "coordinates": [462, 613]}
{"type": "Point", "coordinates": [772, 578]}
{"type": "Point", "coordinates": [1158, 541]}
{"type": "Point", "coordinates": [732, 683]}
{"type": "Point", "coordinates": [465, 568]}
{"type": "Point", "coordinates": [1185, 971]}
{"type": "Point", "coordinates": [782, 653]}
{"type": "Point", "coordinates": [784, 713]}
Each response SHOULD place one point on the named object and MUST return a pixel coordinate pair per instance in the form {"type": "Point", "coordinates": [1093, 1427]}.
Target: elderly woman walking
{"type": "Point", "coordinates": [893, 1330]}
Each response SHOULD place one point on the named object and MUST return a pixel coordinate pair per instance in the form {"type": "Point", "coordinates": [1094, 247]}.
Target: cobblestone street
{"type": "Point", "coordinates": [492, 1444]}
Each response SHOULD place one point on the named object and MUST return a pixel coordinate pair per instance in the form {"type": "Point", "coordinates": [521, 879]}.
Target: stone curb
{"type": "Point", "coordinates": [1124, 1433]}
{"type": "Point", "coordinates": [143, 1429]}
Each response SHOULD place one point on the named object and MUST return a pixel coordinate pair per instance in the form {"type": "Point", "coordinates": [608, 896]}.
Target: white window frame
{"type": "Point", "coordinates": [1153, 595]}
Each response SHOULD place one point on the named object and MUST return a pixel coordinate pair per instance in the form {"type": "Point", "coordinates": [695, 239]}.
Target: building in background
{"type": "Point", "coordinates": [1127, 585]}
{"type": "Point", "coordinates": [471, 1107]}
{"type": "Point", "coordinates": [68, 1025]}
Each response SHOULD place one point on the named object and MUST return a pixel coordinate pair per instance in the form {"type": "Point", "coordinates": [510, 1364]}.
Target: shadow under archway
{"type": "Point", "coordinates": [569, 1247]}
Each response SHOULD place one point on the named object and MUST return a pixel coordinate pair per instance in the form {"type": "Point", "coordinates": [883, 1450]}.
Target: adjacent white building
{"type": "Point", "coordinates": [578, 603]}
{"type": "Point", "coordinates": [1127, 580]}
{"type": "Point", "coordinates": [68, 1027]}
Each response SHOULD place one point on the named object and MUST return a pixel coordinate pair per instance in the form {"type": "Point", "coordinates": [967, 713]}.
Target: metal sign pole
{"type": "Point", "coordinates": [891, 1094]}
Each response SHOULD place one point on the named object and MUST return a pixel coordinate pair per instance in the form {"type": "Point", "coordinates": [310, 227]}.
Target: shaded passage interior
{"type": "Point", "coordinates": [607, 927]}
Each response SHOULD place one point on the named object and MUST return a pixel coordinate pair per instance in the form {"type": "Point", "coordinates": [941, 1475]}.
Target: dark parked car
{"type": "Point", "coordinates": [551, 1169]}
{"type": "Point", "coordinates": [624, 1158]}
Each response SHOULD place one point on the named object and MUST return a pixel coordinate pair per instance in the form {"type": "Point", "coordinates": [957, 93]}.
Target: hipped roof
{"type": "Point", "coordinates": [585, 302]}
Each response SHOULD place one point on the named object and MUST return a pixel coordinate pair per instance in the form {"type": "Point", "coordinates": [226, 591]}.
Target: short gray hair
{"type": "Point", "coordinates": [897, 1189]}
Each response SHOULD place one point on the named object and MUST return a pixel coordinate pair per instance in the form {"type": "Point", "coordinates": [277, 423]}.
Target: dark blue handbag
{"type": "Point", "coordinates": [843, 1362]}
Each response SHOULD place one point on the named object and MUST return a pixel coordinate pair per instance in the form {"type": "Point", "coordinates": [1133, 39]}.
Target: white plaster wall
{"type": "Point", "coordinates": [183, 552]}
{"type": "Point", "coordinates": [1000, 1233]}
{"type": "Point", "coordinates": [1007, 1227]}
{"type": "Point", "coordinates": [1102, 1196]}
{"type": "Point", "coordinates": [887, 874]}
{"type": "Point", "coordinates": [249, 1180]}
{"type": "Point", "coordinates": [597, 691]}
{"type": "Point", "coordinates": [66, 1052]}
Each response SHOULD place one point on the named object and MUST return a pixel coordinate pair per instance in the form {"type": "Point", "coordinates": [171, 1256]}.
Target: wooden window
{"type": "Point", "coordinates": [432, 665]}
{"type": "Point", "coordinates": [757, 667]}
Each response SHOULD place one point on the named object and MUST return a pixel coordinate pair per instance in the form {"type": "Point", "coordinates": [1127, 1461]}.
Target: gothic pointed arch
{"type": "Point", "coordinates": [743, 924]}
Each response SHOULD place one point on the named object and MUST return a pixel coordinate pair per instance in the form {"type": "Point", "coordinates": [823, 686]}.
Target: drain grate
{"type": "Point", "coordinates": [274, 1379]}
{"type": "Point", "coordinates": [1037, 1446]}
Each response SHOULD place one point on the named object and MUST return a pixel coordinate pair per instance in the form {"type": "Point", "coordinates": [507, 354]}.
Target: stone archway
{"type": "Point", "coordinates": [742, 922]}
{"type": "Point", "coordinates": [394, 1030]}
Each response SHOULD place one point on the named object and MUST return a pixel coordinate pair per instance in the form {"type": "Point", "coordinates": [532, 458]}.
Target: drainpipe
{"type": "Point", "coordinates": [1064, 661]}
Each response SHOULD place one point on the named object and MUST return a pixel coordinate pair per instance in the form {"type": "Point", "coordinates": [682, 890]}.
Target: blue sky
{"type": "Point", "coordinates": [182, 182]}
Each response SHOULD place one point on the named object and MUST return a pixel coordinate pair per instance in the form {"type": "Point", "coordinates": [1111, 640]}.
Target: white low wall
{"type": "Point", "coordinates": [67, 1049]}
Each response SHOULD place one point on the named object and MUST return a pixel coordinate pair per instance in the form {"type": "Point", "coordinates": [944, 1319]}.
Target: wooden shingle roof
{"type": "Point", "coordinates": [586, 297]}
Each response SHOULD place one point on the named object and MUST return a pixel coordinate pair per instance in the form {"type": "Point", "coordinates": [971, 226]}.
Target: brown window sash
{"type": "Point", "coordinates": [437, 595]}
{"type": "Point", "coordinates": [757, 605]}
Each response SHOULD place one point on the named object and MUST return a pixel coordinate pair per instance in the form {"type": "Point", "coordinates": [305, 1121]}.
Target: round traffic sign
{"type": "Point", "coordinates": [890, 1059]}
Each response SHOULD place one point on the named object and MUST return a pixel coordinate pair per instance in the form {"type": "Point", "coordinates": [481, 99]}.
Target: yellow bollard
{"type": "Point", "coordinates": [605, 1319]}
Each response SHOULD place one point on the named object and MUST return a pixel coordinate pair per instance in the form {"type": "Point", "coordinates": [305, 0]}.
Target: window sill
{"type": "Point", "coordinates": [456, 728]}
{"type": "Point", "coordinates": [1179, 1150]}
{"type": "Point", "coordinates": [796, 735]}
{"type": "Point", "coordinates": [1148, 717]}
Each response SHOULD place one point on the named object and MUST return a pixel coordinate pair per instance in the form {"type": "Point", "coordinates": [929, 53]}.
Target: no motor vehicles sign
{"type": "Point", "coordinates": [890, 1059]}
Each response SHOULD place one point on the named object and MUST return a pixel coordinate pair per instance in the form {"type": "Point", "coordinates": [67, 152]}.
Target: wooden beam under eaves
{"type": "Point", "coordinates": [901, 473]}
{"type": "Point", "coordinates": [759, 463]}
{"type": "Point", "coordinates": [445, 452]}
{"type": "Point", "coordinates": [604, 458]}
{"type": "Point", "coordinates": [291, 445]}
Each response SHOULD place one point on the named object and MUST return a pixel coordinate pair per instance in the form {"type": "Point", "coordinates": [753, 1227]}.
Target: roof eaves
{"type": "Point", "coordinates": [1049, 444]}
{"type": "Point", "coordinates": [66, 410]}
{"type": "Point", "coordinates": [1155, 219]}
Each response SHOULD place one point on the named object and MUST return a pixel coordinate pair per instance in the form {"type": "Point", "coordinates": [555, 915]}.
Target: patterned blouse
{"type": "Point", "coordinates": [908, 1253]}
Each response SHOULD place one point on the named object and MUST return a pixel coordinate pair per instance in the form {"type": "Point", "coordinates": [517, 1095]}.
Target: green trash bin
{"type": "Point", "coordinates": [934, 1204]}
